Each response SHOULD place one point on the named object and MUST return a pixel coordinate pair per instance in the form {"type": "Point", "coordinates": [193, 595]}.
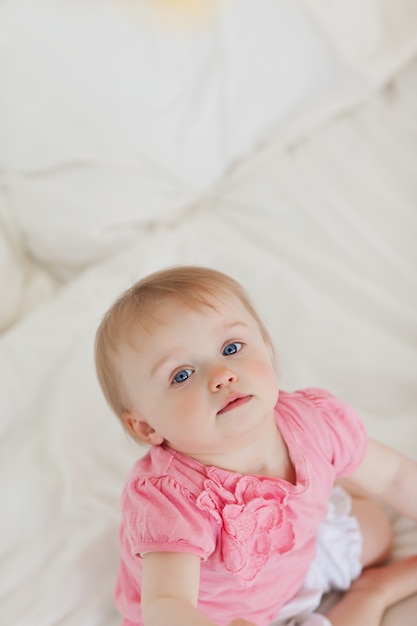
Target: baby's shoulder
{"type": "Point", "coordinates": [323, 421]}
{"type": "Point", "coordinates": [307, 397]}
{"type": "Point", "coordinates": [160, 509]}
{"type": "Point", "coordinates": [303, 404]}
{"type": "Point", "coordinates": [162, 471]}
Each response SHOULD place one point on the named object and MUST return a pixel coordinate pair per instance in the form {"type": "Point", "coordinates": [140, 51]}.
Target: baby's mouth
{"type": "Point", "coordinates": [233, 401]}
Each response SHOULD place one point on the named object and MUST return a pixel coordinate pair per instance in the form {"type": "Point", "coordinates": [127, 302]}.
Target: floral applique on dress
{"type": "Point", "coordinates": [253, 516]}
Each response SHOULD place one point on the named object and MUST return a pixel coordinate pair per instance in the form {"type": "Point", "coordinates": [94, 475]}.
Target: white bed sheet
{"type": "Point", "coordinates": [320, 229]}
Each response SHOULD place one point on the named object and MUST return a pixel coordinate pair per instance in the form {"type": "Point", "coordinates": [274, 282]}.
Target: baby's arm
{"type": "Point", "coordinates": [387, 474]}
{"type": "Point", "coordinates": [170, 584]}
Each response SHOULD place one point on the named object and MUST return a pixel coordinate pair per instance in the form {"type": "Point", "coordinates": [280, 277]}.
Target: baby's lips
{"type": "Point", "coordinates": [234, 400]}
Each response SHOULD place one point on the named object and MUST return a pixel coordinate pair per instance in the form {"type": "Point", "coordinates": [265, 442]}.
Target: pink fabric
{"type": "Point", "coordinates": [256, 536]}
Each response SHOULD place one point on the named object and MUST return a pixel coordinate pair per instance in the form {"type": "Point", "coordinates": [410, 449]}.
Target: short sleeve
{"type": "Point", "coordinates": [159, 515]}
{"type": "Point", "coordinates": [339, 431]}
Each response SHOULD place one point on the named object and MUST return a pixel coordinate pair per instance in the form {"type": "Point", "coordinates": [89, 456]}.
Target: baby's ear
{"type": "Point", "coordinates": [140, 429]}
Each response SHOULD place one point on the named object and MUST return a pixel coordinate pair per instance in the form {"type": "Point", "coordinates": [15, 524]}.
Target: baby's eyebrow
{"type": "Point", "coordinates": [167, 357]}
{"type": "Point", "coordinates": [234, 325]}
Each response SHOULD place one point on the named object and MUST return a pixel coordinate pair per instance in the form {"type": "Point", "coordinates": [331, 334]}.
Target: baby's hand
{"type": "Point", "coordinates": [241, 622]}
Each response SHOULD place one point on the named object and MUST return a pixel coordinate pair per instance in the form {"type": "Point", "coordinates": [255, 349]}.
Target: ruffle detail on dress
{"type": "Point", "coordinates": [253, 517]}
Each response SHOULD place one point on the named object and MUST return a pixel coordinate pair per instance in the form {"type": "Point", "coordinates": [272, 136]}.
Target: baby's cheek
{"type": "Point", "coordinates": [184, 406]}
{"type": "Point", "coordinates": [265, 371]}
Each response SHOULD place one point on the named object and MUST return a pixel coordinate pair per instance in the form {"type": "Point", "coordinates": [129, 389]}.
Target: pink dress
{"type": "Point", "coordinates": [256, 535]}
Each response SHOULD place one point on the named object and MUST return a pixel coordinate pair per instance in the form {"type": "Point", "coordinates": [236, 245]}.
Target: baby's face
{"type": "Point", "coordinates": [200, 380]}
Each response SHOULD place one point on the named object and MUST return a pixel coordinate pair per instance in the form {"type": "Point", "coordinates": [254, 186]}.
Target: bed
{"type": "Point", "coordinates": [272, 139]}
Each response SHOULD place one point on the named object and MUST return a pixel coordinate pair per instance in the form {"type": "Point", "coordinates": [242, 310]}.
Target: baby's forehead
{"type": "Point", "coordinates": [196, 302]}
{"type": "Point", "coordinates": [165, 313]}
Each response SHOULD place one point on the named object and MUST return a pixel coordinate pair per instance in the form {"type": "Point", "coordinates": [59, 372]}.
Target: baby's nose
{"type": "Point", "coordinates": [220, 377]}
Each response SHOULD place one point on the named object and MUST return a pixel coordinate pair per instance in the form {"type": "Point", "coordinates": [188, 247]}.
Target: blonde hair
{"type": "Point", "coordinates": [194, 286]}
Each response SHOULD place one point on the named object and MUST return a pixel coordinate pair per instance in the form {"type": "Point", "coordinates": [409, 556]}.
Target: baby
{"type": "Point", "coordinates": [232, 516]}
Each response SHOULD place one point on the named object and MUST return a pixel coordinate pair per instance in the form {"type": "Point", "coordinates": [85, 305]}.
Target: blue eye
{"type": "Point", "coordinates": [232, 348]}
{"type": "Point", "coordinates": [182, 376]}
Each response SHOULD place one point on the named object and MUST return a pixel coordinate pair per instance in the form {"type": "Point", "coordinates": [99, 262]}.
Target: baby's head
{"type": "Point", "coordinates": [136, 314]}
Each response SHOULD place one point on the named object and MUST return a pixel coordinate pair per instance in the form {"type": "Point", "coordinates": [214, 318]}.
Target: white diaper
{"type": "Point", "coordinates": [337, 563]}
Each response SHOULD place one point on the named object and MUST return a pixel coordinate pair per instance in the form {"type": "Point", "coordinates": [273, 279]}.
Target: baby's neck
{"type": "Point", "coordinates": [265, 457]}
{"type": "Point", "coordinates": [274, 461]}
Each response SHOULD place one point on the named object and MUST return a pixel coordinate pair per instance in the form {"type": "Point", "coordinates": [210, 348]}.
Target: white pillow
{"type": "Point", "coordinates": [113, 119]}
